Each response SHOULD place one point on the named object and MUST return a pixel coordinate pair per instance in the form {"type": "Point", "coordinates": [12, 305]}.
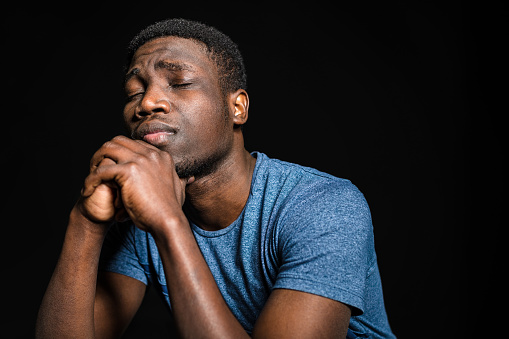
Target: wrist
{"type": "Point", "coordinates": [87, 225]}
{"type": "Point", "coordinates": [171, 228]}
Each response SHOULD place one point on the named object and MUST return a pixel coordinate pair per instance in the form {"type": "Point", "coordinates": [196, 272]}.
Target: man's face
{"type": "Point", "coordinates": [175, 103]}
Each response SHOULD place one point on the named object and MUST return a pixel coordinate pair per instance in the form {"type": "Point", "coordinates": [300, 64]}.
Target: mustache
{"type": "Point", "coordinates": [152, 126]}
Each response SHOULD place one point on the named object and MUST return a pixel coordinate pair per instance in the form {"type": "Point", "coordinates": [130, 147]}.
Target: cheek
{"type": "Point", "coordinates": [207, 132]}
{"type": "Point", "coordinates": [207, 113]}
{"type": "Point", "coordinates": [128, 115]}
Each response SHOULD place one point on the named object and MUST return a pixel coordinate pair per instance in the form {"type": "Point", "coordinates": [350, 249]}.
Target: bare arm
{"type": "Point", "coordinates": [71, 299]}
{"type": "Point", "coordinates": [198, 306]}
{"type": "Point", "coordinates": [195, 295]}
{"type": "Point", "coordinates": [68, 304]}
{"type": "Point", "coordinates": [294, 314]}
{"type": "Point", "coordinates": [117, 299]}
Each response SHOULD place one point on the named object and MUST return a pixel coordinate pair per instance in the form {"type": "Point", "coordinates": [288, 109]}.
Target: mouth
{"type": "Point", "coordinates": [155, 133]}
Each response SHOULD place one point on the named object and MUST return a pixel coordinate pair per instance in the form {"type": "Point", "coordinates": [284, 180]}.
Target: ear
{"type": "Point", "coordinates": [240, 101]}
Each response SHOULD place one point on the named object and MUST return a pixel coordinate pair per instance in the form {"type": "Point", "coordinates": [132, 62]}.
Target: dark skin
{"type": "Point", "coordinates": [187, 155]}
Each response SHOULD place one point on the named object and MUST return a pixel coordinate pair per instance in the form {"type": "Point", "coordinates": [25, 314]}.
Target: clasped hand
{"type": "Point", "coordinates": [131, 178]}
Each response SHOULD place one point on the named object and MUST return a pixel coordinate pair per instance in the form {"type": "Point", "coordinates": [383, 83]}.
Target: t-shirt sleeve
{"type": "Point", "coordinates": [326, 244]}
{"type": "Point", "coordinates": [119, 253]}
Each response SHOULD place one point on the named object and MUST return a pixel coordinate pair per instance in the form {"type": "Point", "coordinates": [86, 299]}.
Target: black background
{"type": "Point", "coordinates": [387, 96]}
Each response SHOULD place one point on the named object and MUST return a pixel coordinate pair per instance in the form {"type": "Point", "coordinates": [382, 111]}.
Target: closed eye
{"type": "Point", "coordinates": [182, 85]}
{"type": "Point", "coordinates": [133, 96]}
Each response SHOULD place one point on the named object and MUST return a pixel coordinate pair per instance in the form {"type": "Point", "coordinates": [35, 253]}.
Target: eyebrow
{"type": "Point", "coordinates": [173, 66]}
{"type": "Point", "coordinates": [170, 66]}
{"type": "Point", "coordinates": [130, 74]}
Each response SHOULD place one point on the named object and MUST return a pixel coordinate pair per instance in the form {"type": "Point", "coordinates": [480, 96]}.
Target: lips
{"type": "Point", "coordinates": [154, 132]}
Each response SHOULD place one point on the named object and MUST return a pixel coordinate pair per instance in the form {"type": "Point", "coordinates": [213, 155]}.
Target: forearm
{"type": "Point", "coordinates": [198, 306]}
{"type": "Point", "coordinates": [67, 309]}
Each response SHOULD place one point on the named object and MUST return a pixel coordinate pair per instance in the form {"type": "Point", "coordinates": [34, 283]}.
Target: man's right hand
{"type": "Point", "coordinates": [104, 203]}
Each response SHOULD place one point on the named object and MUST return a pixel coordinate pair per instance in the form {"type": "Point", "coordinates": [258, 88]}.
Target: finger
{"type": "Point", "coordinates": [137, 146]}
{"type": "Point", "coordinates": [183, 182]}
{"type": "Point", "coordinates": [120, 149]}
{"type": "Point", "coordinates": [146, 144]}
{"type": "Point", "coordinates": [114, 150]}
{"type": "Point", "coordinates": [106, 162]}
{"type": "Point", "coordinates": [107, 154]}
{"type": "Point", "coordinates": [105, 174]}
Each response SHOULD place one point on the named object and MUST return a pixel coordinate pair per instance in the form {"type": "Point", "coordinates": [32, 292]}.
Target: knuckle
{"type": "Point", "coordinates": [166, 157]}
{"type": "Point", "coordinates": [87, 180]}
{"type": "Point", "coordinates": [151, 155]}
{"type": "Point", "coordinates": [148, 151]}
{"type": "Point", "coordinates": [132, 167]}
{"type": "Point", "coordinates": [97, 173]}
{"type": "Point", "coordinates": [107, 146]}
{"type": "Point", "coordinates": [144, 159]}
{"type": "Point", "coordinates": [118, 138]}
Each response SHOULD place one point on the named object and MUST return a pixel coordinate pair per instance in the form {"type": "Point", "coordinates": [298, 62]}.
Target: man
{"type": "Point", "coordinates": [237, 244]}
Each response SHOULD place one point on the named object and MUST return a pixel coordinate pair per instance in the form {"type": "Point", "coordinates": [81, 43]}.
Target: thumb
{"type": "Point", "coordinates": [183, 184]}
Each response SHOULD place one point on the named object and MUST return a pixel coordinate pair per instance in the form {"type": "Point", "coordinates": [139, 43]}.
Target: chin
{"type": "Point", "coordinates": [194, 168]}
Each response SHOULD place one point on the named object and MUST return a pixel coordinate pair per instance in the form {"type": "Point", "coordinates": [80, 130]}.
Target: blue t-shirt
{"type": "Point", "coordinates": [301, 229]}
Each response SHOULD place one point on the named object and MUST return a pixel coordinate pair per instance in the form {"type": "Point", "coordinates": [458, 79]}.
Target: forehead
{"type": "Point", "coordinates": [173, 49]}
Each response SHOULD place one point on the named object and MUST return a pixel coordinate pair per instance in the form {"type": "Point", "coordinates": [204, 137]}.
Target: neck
{"type": "Point", "coordinates": [216, 201]}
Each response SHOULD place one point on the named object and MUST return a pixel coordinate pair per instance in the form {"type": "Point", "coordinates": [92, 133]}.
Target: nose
{"type": "Point", "coordinates": [154, 101]}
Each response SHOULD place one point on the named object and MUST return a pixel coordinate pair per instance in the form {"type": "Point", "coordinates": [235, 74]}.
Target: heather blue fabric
{"type": "Point", "coordinates": [301, 229]}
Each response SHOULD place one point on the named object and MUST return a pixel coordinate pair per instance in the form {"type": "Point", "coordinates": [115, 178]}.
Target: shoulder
{"type": "Point", "coordinates": [323, 234]}
{"type": "Point", "coordinates": [308, 200]}
{"type": "Point", "coordinates": [308, 190]}
{"type": "Point", "coordinates": [328, 205]}
{"type": "Point", "coordinates": [274, 172]}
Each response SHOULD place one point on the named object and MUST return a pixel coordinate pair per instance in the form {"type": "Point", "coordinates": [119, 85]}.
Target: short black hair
{"type": "Point", "coordinates": [222, 50]}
